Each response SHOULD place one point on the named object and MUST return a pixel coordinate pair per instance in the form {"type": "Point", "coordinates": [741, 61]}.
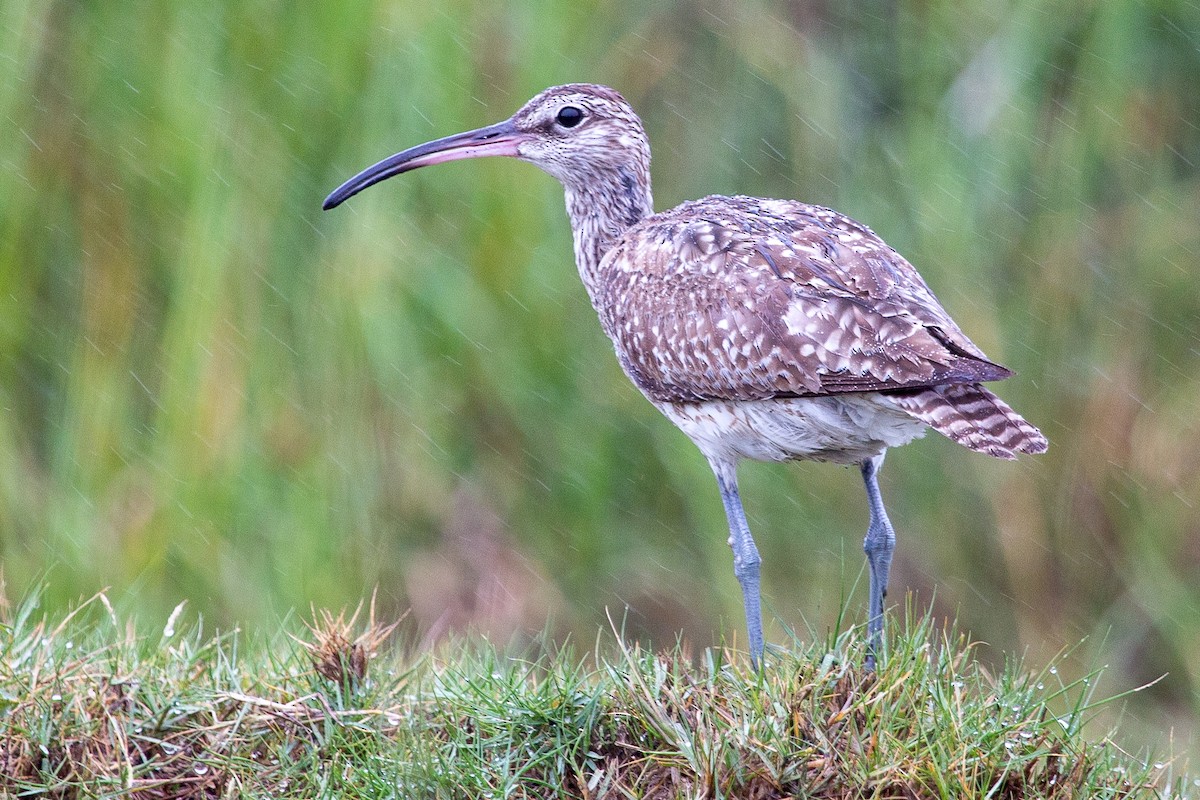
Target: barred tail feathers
{"type": "Point", "coordinates": [972, 416]}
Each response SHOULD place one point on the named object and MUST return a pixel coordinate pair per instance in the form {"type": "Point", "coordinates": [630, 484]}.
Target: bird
{"type": "Point", "coordinates": [764, 329]}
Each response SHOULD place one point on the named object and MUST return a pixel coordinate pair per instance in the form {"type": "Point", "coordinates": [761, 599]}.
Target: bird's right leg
{"type": "Point", "coordinates": [745, 555]}
{"type": "Point", "coordinates": [878, 545]}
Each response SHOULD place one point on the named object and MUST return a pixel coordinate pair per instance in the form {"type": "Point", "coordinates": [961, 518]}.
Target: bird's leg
{"type": "Point", "coordinates": [745, 555]}
{"type": "Point", "coordinates": [879, 544]}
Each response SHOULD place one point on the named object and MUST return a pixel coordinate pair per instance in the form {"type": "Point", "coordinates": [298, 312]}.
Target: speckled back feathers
{"type": "Point", "coordinates": [742, 298]}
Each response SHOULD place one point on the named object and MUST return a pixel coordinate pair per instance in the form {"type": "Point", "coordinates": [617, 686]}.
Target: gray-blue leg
{"type": "Point", "coordinates": [745, 556]}
{"type": "Point", "coordinates": [879, 544]}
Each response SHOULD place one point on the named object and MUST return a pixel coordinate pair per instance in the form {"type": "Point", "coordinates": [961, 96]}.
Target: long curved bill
{"type": "Point", "coordinates": [501, 139]}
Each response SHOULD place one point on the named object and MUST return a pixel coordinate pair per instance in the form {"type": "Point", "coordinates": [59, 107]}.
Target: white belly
{"type": "Point", "coordinates": [845, 429]}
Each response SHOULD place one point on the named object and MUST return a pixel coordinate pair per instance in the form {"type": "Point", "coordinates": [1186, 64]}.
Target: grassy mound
{"type": "Point", "coordinates": [90, 707]}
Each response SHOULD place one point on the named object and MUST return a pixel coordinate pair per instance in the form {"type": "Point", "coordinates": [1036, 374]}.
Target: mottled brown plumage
{"type": "Point", "coordinates": [793, 300]}
{"type": "Point", "coordinates": [765, 329]}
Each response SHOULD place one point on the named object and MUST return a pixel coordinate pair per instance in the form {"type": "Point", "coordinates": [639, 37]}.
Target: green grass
{"type": "Point", "coordinates": [90, 708]}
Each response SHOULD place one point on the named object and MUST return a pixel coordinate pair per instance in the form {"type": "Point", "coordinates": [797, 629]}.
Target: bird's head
{"type": "Point", "coordinates": [579, 133]}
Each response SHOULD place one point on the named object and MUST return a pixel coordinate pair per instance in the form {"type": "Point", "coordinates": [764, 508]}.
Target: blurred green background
{"type": "Point", "coordinates": [212, 390]}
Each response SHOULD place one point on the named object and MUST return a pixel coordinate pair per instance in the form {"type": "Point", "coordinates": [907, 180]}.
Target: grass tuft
{"type": "Point", "coordinates": [90, 707]}
{"type": "Point", "coordinates": [334, 654]}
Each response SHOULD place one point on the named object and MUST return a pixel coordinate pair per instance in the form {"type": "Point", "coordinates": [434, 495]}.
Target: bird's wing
{"type": "Point", "coordinates": [741, 298]}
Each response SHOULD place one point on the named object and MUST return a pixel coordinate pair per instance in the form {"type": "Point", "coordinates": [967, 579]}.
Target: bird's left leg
{"type": "Point", "coordinates": [879, 544]}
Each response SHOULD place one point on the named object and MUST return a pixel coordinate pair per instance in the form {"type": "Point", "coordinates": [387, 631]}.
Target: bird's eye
{"type": "Point", "coordinates": [569, 117]}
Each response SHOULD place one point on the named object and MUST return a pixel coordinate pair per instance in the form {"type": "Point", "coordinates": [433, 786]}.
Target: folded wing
{"type": "Point", "coordinates": [741, 298]}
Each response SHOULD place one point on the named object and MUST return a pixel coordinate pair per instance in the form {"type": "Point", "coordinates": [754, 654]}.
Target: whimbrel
{"type": "Point", "coordinates": [765, 329]}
